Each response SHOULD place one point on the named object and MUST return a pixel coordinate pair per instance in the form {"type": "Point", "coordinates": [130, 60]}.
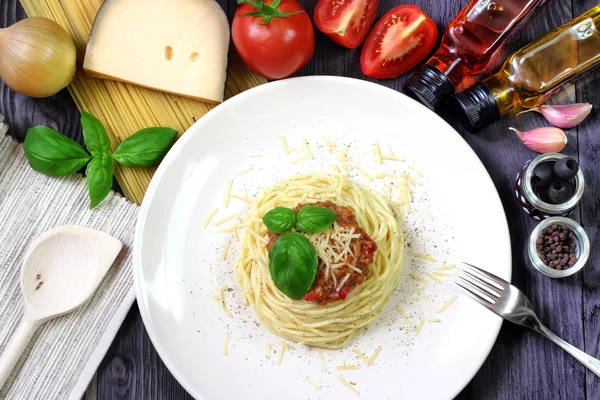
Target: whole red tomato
{"type": "Point", "coordinates": [274, 38]}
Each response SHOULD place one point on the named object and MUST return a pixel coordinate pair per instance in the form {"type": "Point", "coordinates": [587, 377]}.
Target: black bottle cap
{"type": "Point", "coordinates": [429, 86]}
{"type": "Point", "coordinates": [476, 108]}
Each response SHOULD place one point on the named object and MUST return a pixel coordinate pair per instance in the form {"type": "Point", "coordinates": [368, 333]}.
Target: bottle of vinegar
{"type": "Point", "coordinates": [534, 73]}
{"type": "Point", "coordinates": [470, 42]}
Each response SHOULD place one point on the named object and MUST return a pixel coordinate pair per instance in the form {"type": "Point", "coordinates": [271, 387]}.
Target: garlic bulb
{"type": "Point", "coordinates": [37, 57]}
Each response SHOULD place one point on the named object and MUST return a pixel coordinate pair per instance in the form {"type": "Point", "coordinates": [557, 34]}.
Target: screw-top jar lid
{"type": "Point", "coordinates": [429, 86]}
{"type": "Point", "coordinates": [476, 108]}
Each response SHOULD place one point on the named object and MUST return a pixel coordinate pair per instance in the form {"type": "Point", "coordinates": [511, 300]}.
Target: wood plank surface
{"type": "Point", "coordinates": [522, 364]}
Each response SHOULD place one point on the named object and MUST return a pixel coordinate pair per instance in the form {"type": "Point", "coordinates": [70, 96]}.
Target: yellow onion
{"type": "Point", "coordinates": [37, 57]}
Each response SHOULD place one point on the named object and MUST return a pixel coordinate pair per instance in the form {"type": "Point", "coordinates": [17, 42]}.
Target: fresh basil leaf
{"type": "Point", "coordinates": [145, 148]}
{"type": "Point", "coordinates": [94, 135]}
{"type": "Point", "coordinates": [99, 174]}
{"type": "Point", "coordinates": [280, 219]}
{"type": "Point", "coordinates": [52, 153]}
{"type": "Point", "coordinates": [293, 264]}
{"type": "Point", "coordinates": [313, 219]}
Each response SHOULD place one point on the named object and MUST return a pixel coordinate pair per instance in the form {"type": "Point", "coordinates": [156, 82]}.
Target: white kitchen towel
{"type": "Point", "coordinates": [64, 354]}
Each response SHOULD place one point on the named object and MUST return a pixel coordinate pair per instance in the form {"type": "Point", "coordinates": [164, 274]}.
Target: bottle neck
{"type": "Point", "coordinates": [449, 64]}
{"type": "Point", "coordinates": [507, 99]}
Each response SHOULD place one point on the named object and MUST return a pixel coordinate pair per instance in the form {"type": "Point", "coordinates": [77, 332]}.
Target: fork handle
{"type": "Point", "coordinates": [590, 362]}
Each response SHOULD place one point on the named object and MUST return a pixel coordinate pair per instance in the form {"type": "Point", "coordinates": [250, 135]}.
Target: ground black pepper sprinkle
{"type": "Point", "coordinates": [556, 247]}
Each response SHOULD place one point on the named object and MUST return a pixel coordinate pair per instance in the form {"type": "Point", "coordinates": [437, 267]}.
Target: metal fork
{"type": "Point", "coordinates": [511, 304]}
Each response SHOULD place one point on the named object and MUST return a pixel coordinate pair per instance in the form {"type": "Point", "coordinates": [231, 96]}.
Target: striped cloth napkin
{"type": "Point", "coordinates": [64, 354]}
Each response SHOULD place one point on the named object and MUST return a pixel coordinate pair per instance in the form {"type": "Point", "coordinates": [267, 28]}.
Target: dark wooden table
{"type": "Point", "coordinates": [522, 365]}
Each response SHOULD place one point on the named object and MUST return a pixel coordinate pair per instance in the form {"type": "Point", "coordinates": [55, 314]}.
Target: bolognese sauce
{"type": "Point", "coordinates": [346, 264]}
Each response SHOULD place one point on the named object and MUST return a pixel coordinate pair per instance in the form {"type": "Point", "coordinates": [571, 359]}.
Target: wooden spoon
{"type": "Point", "coordinates": [61, 270]}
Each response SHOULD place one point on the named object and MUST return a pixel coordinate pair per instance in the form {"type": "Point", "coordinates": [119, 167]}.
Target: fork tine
{"type": "Point", "coordinates": [478, 282]}
{"type": "Point", "coordinates": [474, 294]}
{"type": "Point", "coordinates": [491, 279]}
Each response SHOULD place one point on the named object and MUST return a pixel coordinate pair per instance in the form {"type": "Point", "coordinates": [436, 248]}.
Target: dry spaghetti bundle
{"type": "Point", "coordinates": [335, 324]}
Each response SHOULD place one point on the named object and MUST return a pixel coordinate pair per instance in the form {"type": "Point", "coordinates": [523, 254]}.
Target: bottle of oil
{"type": "Point", "coordinates": [534, 73]}
{"type": "Point", "coordinates": [468, 45]}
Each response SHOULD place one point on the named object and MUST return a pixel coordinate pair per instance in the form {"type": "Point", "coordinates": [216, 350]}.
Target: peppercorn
{"type": "Point", "coordinates": [556, 247]}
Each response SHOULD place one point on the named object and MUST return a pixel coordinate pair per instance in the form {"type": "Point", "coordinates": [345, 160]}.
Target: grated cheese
{"type": "Point", "coordinates": [416, 171]}
{"type": "Point", "coordinates": [377, 151]}
{"type": "Point", "coordinates": [404, 317]}
{"type": "Point", "coordinates": [226, 250]}
{"type": "Point", "coordinates": [349, 386]}
{"type": "Point", "coordinates": [423, 295]}
{"type": "Point", "coordinates": [341, 284]}
{"type": "Point", "coordinates": [416, 277]}
{"type": "Point", "coordinates": [268, 351]}
{"type": "Point", "coordinates": [433, 277]}
{"type": "Point", "coordinates": [344, 160]}
{"type": "Point", "coordinates": [363, 173]}
{"type": "Point", "coordinates": [381, 175]}
{"type": "Point", "coordinates": [347, 367]}
{"type": "Point", "coordinates": [409, 179]}
{"type": "Point", "coordinates": [306, 149]}
{"type": "Point", "coordinates": [447, 304]}
{"type": "Point", "coordinates": [389, 192]}
{"type": "Point", "coordinates": [320, 352]}
{"type": "Point", "coordinates": [225, 345]}
{"type": "Point", "coordinates": [243, 172]}
{"type": "Point", "coordinates": [422, 256]}
{"type": "Point", "coordinates": [312, 383]}
{"type": "Point", "coordinates": [445, 267]}
{"type": "Point", "coordinates": [243, 198]}
{"type": "Point", "coordinates": [434, 320]}
{"type": "Point", "coordinates": [228, 193]}
{"type": "Point", "coordinates": [438, 273]}
{"type": "Point", "coordinates": [297, 160]}
{"type": "Point", "coordinates": [336, 169]}
{"type": "Point", "coordinates": [219, 299]}
{"type": "Point", "coordinates": [373, 356]}
{"type": "Point", "coordinates": [419, 327]}
{"type": "Point", "coordinates": [360, 354]}
{"type": "Point", "coordinates": [284, 143]}
{"type": "Point", "coordinates": [209, 217]}
{"type": "Point", "coordinates": [223, 220]}
{"type": "Point", "coordinates": [282, 348]}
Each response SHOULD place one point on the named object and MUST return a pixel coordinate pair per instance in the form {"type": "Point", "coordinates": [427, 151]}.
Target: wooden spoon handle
{"type": "Point", "coordinates": [16, 345]}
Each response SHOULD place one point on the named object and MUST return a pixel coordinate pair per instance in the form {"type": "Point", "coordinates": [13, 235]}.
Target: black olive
{"type": "Point", "coordinates": [542, 175]}
{"type": "Point", "coordinates": [566, 169]}
{"type": "Point", "coordinates": [560, 192]}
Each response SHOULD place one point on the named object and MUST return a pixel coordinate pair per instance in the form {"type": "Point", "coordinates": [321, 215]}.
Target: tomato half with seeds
{"type": "Point", "coordinates": [346, 21]}
{"type": "Point", "coordinates": [403, 37]}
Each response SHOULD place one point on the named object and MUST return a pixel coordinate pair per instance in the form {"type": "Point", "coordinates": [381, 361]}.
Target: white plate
{"type": "Point", "coordinates": [178, 266]}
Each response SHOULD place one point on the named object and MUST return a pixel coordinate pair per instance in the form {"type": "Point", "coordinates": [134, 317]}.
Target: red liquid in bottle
{"type": "Point", "coordinates": [470, 41]}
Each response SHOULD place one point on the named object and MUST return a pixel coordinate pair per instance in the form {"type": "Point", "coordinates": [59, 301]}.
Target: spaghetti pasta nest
{"type": "Point", "coordinates": [335, 324]}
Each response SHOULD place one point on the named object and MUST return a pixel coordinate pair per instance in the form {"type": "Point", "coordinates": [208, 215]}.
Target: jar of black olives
{"type": "Point", "coordinates": [549, 185]}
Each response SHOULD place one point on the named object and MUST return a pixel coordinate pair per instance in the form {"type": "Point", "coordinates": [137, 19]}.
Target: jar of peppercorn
{"type": "Point", "coordinates": [558, 247]}
{"type": "Point", "coordinates": [549, 185]}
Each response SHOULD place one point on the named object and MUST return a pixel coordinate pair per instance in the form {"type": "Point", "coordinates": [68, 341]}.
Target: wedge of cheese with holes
{"type": "Point", "coordinates": [175, 46]}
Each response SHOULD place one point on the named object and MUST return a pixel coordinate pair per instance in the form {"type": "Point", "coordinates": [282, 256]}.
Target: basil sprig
{"type": "Point", "coordinates": [293, 264]}
{"type": "Point", "coordinates": [51, 153]}
{"type": "Point", "coordinates": [280, 219]}
{"type": "Point", "coordinates": [313, 219]}
{"type": "Point", "coordinates": [293, 259]}
{"type": "Point", "coordinates": [144, 148]}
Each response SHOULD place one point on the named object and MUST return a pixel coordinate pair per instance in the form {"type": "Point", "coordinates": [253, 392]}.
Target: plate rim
{"type": "Point", "coordinates": [172, 155]}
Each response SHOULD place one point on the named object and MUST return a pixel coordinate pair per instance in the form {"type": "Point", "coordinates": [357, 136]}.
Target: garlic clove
{"type": "Point", "coordinates": [564, 116]}
{"type": "Point", "coordinates": [543, 140]}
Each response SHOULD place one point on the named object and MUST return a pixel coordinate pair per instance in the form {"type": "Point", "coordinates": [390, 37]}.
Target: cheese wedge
{"type": "Point", "coordinates": [175, 46]}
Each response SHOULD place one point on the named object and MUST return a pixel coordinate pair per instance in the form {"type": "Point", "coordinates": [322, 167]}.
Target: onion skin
{"type": "Point", "coordinates": [37, 57]}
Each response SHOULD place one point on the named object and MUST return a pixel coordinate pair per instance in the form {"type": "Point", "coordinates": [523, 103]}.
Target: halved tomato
{"type": "Point", "coordinates": [346, 21]}
{"type": "Point", "coordinates": [403, 37]}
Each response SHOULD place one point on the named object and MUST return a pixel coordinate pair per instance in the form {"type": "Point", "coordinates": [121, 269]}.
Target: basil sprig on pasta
{"type": "Point", "coordinates": [293, 264]}
{"type": "Point", "coordinates": [293, 259]}
{"type": "Point", "coordinates": [314, 219]}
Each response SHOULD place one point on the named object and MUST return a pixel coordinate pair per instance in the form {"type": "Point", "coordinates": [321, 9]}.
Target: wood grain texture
{"type": "Point", "coordinates": [521, 365]}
